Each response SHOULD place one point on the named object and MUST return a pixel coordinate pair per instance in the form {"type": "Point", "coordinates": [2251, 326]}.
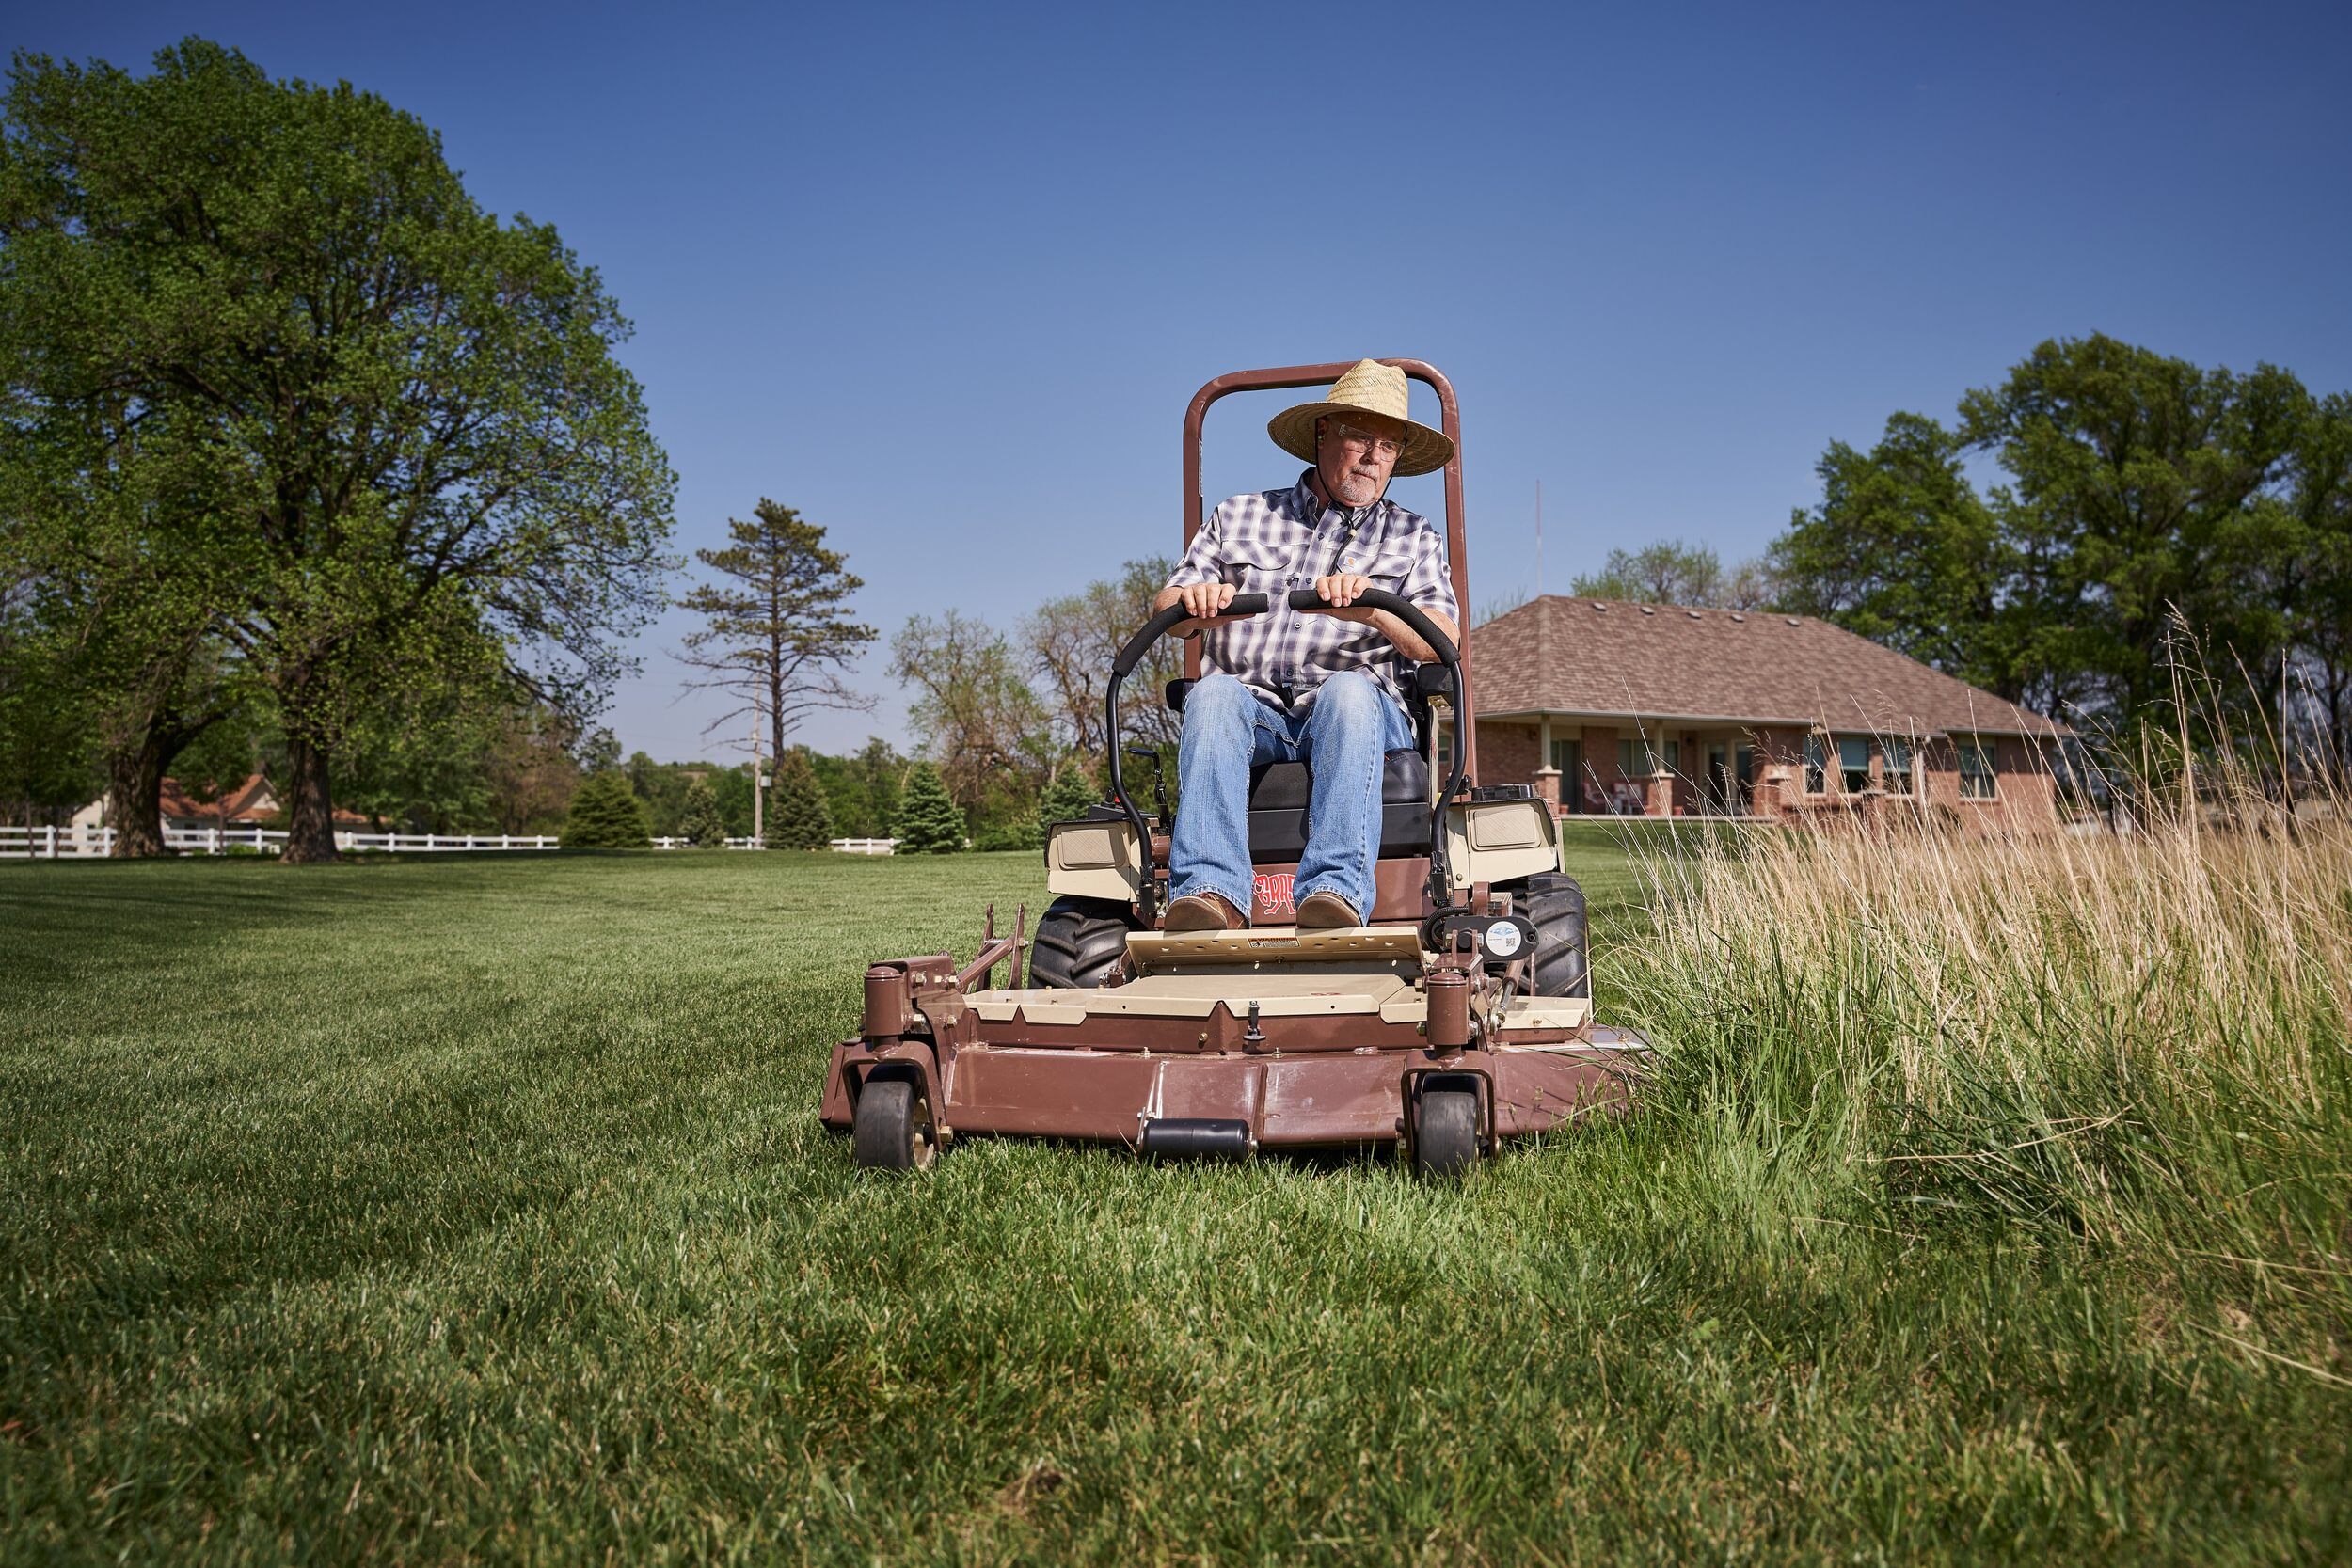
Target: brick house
{"type": "Point", "coordinates": [1661, 711]}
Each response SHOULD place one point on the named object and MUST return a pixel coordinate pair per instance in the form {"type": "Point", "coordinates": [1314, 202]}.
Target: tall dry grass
{"type": "Point", "coordinates": [2137, 1040]}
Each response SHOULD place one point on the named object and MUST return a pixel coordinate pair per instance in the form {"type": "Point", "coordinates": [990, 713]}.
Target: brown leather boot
{"type": "Point", "coordinates": [1203, 912]}
{"type": "Point", "coordinates": [1325, 911]}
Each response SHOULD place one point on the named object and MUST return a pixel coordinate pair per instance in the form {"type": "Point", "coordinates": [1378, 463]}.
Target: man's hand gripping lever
{"type": "Point", "coordinates": [1206, 604]}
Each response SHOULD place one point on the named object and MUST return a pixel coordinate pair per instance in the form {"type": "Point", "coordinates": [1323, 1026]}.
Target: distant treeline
{"type": "Point", "coordinates": [861, 790]}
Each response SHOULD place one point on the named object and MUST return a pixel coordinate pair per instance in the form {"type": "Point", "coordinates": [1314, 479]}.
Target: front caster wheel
{"type": "Point", "coordinates": [892, 1129]}
{"type": "Point", "coordinates": [1445, 1131]}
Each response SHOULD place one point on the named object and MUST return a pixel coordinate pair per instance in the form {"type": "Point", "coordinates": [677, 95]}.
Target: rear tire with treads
{"type": "Point", "coordinates": [1080, 944]}
{"type": "Point", "coordinates": [1562, 962]}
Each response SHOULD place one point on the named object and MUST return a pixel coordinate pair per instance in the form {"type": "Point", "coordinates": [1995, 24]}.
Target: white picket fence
{"type": "Point", "coordinates": [56, 843]}
{"type": "Point", "coordinates": [864, 846]}
{"type": "Point", "coordinates": [838, 846]}
{"type": "Point", "coordinates": [92, 843]}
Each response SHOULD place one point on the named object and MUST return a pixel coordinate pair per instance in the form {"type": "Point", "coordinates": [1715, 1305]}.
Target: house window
{"type": "Point", "coordinates": [1976, 770]}
{"type": "Point", "coordinates": [1641, 758]}
{"type": "Point", "coordinates": [1853, 764]}
{"type": "Point", "coordinates": [1815, 764]}
{"type": "Point", "coordinates": [1899, 753]}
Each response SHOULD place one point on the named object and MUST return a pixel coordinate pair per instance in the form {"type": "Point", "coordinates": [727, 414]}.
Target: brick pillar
{"type": "Point", "coordinates": [1547, 786]}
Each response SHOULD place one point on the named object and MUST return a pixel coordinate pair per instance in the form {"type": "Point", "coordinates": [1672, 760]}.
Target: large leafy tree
{"type": "Point", "coordinates": [1903, 550]}
{"type": "Point", "coordinates": [2144, 496]}
{"type": "Point", "coordinates": [2142, 489]}
{"type": "Point", "coordinates": [778, 636]}
{"type": "Point", "coordinates": [386, 433]}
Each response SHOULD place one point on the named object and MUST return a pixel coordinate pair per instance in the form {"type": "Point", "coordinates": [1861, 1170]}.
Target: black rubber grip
{"type": "Point", "coordinates": [1397, 605]}
{"type": "Point", "coordinates": [1157, 627]}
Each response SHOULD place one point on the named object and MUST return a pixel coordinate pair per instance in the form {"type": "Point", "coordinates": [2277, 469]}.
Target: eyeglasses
{"type": "Point", "coordinates": [1386, 446]}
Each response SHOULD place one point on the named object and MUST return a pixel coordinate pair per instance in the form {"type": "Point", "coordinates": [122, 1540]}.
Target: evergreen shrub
{"type": "Point", "coordinates": [929, 822]}
{"type": "Point", "coordinates": [797, 817]}
{"type": "Point", "coordinates": [607, 815]}
{"type": "Point", "coordinates": [699, 821]}
{"type": "Point", "coordinates": [1066, 800]}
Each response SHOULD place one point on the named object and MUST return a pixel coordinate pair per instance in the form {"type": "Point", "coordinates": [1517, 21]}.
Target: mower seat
{"type": "Point", "coordinates": [1279, 793]}
{"type": "Point", "coordinates": [1288, 785]}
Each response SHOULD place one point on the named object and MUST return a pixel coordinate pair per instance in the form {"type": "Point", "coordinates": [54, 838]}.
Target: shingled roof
{"type": "Point", "coordinates": [1608, 658]}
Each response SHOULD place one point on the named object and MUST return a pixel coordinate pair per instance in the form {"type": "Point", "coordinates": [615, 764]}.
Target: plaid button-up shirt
{"type": "Point", "coordinates": [1283, 539]}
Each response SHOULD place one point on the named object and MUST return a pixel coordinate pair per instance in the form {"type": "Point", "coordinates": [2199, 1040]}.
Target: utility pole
{"type": "Point", "coordinates": [759, 787]}
{"type": "Point", "coordinates": [1539, 538]}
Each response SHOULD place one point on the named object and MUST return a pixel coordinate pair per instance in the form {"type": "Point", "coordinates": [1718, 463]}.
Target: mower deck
{"type": "Point", "coordinates": [1279, 1037]}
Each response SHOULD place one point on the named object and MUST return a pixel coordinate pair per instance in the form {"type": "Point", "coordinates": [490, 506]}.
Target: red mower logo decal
{"type": "Point", "coordinates": [1273, 893]}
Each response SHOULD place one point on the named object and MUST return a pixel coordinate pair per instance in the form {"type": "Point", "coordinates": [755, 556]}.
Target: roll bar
{"type": "Point", "coordinates": [1241, 607]}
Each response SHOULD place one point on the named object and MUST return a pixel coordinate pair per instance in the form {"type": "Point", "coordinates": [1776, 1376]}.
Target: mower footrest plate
{"type": "Point", "coordinates": [1265, 946]}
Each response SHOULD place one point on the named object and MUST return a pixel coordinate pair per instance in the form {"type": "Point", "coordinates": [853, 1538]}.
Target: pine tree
{"type": "Point", "coordinates": [777, 634]}
{"type": "Point", "coordinates": [1066, 800]}
{"type": "Point", "coordinates": [797, 817]}
{"type": "Point", "coordinates": [700, 821]}
{"type": "Point", "coordinates": [606, 816]}
{"type": "Point", "coordinates": [928, 819]}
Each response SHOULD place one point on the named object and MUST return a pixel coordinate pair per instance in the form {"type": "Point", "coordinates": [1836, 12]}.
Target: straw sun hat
{"type": "Point", "coordinates": [1369, 387]}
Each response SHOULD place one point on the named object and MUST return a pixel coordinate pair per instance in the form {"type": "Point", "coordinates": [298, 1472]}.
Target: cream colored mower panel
{"type": "Point", "coordinates": [1500, 841]}
{"type": "Point", "coordinates": [1094, 859]}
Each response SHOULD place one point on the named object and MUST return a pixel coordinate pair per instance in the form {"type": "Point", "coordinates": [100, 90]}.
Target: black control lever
{"type": "Point", "coordinates": [1242, 605]}
{"type": "Point", "coordinates": [1159, 781]}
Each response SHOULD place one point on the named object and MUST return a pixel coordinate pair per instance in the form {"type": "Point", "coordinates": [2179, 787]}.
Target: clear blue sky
{"type": "Point", "coordinates": [944, 278]}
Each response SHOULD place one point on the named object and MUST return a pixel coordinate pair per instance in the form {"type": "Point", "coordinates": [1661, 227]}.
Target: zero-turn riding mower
{"type": "Point", "coordinates": [1458, 1016]}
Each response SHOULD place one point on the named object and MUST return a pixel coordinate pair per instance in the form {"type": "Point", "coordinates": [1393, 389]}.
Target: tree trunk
{"type": "Point", "coordinates": [310, 809]}
{"type": "Point", "coordinates": [134, 785]}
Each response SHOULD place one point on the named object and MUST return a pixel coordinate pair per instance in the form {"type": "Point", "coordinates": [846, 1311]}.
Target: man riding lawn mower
{"type": "Point", "coordinates": [1326, 946]}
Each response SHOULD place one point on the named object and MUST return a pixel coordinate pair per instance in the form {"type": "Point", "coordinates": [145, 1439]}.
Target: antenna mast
{"type": "Point", "coordinates": [1539, 538]}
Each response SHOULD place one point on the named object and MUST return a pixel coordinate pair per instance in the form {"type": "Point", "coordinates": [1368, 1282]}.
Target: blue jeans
{"type": "Point", "coordinates": [1341, 735]}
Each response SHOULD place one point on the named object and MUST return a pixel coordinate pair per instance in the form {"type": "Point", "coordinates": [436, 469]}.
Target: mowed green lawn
{"type": "Point", "coordinates": [475, 1208]}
